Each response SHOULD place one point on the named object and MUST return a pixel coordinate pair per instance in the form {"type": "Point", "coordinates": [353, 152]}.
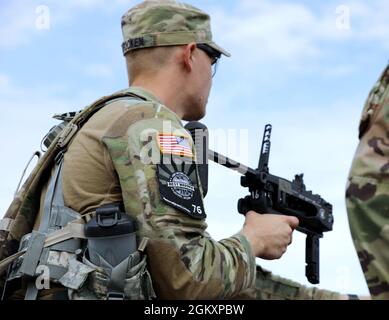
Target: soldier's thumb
{"type": "Point", "coordinates": [293, 222]}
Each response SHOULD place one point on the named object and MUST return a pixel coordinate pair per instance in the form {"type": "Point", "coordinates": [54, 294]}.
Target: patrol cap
{"type": "Point", "coordinates": [157, 23]}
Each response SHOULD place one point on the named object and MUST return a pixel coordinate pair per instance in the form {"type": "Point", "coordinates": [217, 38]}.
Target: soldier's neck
{"type": "Point", "coordinates": [168, 92]}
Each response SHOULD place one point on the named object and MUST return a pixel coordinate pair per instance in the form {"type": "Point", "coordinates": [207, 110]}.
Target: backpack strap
{"type": "Point", "coordinates": [81, 118]}
{"type": "Point", "coordinates": [23, 203]}
{"type": "Point", "coordinates": [21, 214]}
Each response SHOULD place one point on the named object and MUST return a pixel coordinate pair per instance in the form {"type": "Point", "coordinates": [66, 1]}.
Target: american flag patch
{"type": "Point", "coordinates": [176, 145]}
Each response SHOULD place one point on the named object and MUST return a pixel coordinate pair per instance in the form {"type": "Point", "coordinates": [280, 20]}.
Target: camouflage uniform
{"type": "Point", "coordinates": [184, 261]}
{"type": "Point", "coordinates": [117, 156]}
{"type": "Point", "coordinates": [112, 147]}
{"type": "Point", "coordinates": [368, 190]}
{"type": "Point", "coordinates": [272, 287]}
{"type": "Point", "coordinates": [153, 23]}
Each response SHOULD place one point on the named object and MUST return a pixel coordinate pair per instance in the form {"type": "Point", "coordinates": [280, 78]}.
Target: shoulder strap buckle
{"type": "Point", "coordinates": [67, 134]}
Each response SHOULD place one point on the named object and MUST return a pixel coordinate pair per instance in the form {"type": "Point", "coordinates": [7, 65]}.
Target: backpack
{"type": "Point", "coordinates": [19, 219]}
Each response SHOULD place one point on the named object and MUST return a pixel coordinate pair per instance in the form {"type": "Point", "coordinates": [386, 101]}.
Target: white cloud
{"type": "Point", "coordinates": [94, 3]}
{"type": "Point", "coordinates": [260, 31]}
{"type": "Point", "coordinates": [17, 21]}
{"type": "Point", "coordinates": [336, 71]}
{"type": "Point", "coordinates": [28, 119]}
{"type": "Point", "coordinates": [98, 70]}
{"type": "Point", "coordinates": [4, 82]}
{"type": "Point", "coordinates": [268, 32]}
{"type": "Point", "coordinates": [372, 21]}
{"type": "Point", "coordinates": [18, 18]}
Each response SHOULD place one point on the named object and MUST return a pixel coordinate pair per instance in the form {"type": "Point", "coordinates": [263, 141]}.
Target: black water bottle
{"type": "Point", "coordinates": [111, 235]}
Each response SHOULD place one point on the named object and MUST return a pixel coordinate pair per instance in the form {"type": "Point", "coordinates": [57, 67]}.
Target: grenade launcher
{"type": "Point", "coordinates": [275, 195]}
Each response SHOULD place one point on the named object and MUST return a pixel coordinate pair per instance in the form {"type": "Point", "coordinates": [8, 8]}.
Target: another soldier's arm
{"type": "Point", "coordinates": [368, 190]}
{"type": "Point", "coordinates": [272, 287]}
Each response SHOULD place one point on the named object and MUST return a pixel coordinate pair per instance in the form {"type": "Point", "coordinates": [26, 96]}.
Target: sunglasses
{"type": "Point", "coordinates": [212, 54]}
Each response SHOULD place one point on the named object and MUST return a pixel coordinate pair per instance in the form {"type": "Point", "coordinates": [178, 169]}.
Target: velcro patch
{"type": "Point", "coordinates": [179, 188]}
{"type": "Point", "coordinates": [172, 144]}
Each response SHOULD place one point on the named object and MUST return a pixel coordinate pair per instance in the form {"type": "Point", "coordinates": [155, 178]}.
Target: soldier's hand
{"type": "Point", "coordinates": [269, 234]}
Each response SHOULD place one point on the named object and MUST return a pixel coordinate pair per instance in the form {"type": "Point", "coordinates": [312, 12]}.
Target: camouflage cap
{"type": "Point", "coordinates": [155, 23]}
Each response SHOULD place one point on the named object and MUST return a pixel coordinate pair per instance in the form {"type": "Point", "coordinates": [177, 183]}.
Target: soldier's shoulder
{"type": "Point", "coordinates": [118, 116]}
{"type": "Point", "coordinates": [135, 105]}
{"type": "Point", "coordinates": [126, 105]}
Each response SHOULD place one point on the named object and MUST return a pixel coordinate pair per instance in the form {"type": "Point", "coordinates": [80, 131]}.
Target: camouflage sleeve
{"type": "Point", "coordinates": [184, 261]}
{"type": "Point", "coordinates": [367, 194]}
{"type": "Point", "coordinates": [272, 287]}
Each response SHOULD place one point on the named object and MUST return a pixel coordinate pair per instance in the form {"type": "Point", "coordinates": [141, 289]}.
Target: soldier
{"type": "Point", "coordinates": [169, 53]}
{"type": "Point", "coordinates": [367, 194]}
{"type": "Point", "coordinates": [135, 150]}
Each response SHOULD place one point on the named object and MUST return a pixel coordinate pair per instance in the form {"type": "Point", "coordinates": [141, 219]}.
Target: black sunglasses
{"type": "Point", "coordinates": [212, 53]}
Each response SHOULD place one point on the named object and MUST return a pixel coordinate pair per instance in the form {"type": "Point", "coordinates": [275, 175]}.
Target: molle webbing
{"type": "Point", "coordinates": [25, 206]}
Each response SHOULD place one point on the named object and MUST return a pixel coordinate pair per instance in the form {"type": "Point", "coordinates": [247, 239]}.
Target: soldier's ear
{"type": "Point", "coordinates": [188, 56]}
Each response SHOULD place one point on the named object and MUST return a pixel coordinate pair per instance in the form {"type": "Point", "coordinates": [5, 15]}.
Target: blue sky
{"type": "Point", "coordinates": [292, 65]}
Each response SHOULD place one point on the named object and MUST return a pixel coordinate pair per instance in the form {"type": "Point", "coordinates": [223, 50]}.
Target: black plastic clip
{"type": "Point", "coordinates": [109, 215]}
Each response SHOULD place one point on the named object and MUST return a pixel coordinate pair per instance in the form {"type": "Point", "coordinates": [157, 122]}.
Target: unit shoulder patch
{"type": "Point", "coordinates": [179, 187]}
